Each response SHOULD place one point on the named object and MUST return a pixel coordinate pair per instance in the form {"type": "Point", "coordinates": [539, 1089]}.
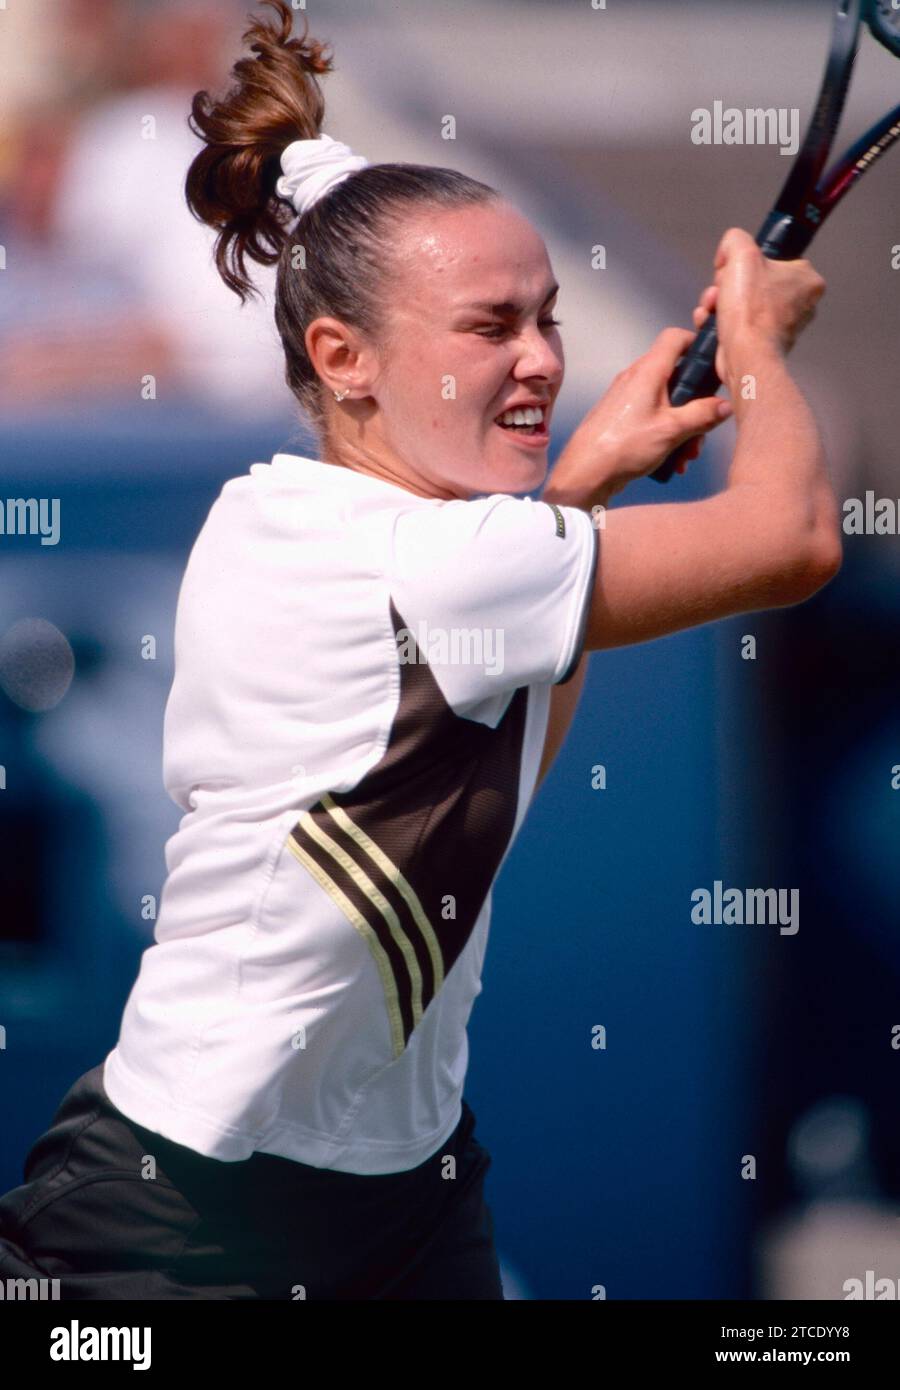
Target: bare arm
{"type": "Point", "coordinates": [772, 537]}
{"type": "Point", "coordinates": [563, 704]}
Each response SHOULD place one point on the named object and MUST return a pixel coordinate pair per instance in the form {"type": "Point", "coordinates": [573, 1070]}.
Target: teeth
{"type": "Point", "coordinates": [530, 415]}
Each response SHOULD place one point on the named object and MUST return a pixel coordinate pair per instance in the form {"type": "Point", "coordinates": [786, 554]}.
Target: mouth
{"type": "Point", "coordinates": [526, 425]}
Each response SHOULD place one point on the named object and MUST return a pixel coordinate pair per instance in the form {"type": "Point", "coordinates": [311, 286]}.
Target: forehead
{"type": "Point", "coordinates": [453, 258]}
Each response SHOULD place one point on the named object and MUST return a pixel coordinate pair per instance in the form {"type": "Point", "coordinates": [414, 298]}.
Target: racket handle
{"type": "Point", "coordinates": [781, 238]}
{"type": "Point", "coordinates": [695, 376]}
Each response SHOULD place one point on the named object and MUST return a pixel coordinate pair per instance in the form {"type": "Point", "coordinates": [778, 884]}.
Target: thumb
{"type": "Point", "coordinates": [696, 417]}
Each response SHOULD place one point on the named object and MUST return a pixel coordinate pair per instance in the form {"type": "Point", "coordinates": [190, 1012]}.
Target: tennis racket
{"type": "Point", "coordinates": [808, 197]}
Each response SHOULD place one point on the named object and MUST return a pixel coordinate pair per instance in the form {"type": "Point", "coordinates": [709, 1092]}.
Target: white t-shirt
{"type": "Point", "coordinates": [361, 693]}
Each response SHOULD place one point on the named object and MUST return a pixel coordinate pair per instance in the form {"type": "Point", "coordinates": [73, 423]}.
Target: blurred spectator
{"type": "Point", "coordinates": [109, 279]}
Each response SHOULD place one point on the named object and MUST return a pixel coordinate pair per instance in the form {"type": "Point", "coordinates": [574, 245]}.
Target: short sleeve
{"type": "Point", "coordinates": [494, 593]}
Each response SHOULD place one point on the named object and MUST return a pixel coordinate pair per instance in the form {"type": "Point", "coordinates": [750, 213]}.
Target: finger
{"type": "Point", "coordinates": [686, 454]}
{"type": "Point", "coordinates": [697, 417]}
{"type": "Point", "coordinates": [706, 304]}
{"type": "Point", "coordinates": [682, 456]}
{"type": "Point", "coordinates": [722, 251]}
{"type": "Point", "coordinates": [691, 450]}
{"type": "Point", "coordinates": [734, 241]}
{"type": "Point", "coordinates": [671, 344]}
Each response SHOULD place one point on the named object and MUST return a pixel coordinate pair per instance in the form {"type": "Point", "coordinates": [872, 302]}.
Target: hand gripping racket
{"type": "Point", "coordinates": [807, 197]}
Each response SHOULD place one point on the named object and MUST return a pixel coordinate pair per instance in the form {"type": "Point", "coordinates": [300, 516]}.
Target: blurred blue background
{"type": "Point", "coordinates": [618, 1166]}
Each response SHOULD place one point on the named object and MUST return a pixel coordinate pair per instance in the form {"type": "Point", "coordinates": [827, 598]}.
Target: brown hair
{"type": "Point", "coordinates": [275, 99]}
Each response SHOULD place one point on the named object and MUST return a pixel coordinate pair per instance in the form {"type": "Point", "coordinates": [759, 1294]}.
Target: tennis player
{"type": "Point", "coordinates": [378, 653]}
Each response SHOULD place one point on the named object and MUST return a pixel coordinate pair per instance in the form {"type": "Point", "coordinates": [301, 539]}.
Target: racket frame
{"type": "Point", "coordinates": [808, 196]}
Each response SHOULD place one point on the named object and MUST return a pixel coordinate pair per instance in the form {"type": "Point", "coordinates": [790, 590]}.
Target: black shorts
{"type": "Point", "coordinates": [91, 1215]}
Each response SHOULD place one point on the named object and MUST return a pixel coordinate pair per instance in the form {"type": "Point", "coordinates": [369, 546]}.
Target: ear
{"type": "Point", "coordinates": [340, 355]}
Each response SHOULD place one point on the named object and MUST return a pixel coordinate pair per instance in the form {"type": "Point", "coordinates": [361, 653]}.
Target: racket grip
{"type": "Point", "coordinates": [782, 237]}
{"type": "Point", "coordinates": [695, 376]}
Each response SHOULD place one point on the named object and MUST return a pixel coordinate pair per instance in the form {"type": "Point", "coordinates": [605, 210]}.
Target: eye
{"type": "Point", "coordinates": [500, 330]}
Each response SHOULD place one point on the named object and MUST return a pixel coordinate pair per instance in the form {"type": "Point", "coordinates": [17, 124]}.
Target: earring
{"type": "Point", "coordinates": [339, 395]}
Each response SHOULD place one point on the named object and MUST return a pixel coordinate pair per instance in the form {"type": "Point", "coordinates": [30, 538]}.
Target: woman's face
{"type": "Point", "coordinates": [470, 333]}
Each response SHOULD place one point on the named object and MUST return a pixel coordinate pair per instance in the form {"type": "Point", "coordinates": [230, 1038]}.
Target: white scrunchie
{"type": "Point", "coordinates": [312, 167]}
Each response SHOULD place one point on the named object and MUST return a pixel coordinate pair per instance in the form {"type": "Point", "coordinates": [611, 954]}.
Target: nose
{"type": "Point", "coordinates": [539, 357]}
